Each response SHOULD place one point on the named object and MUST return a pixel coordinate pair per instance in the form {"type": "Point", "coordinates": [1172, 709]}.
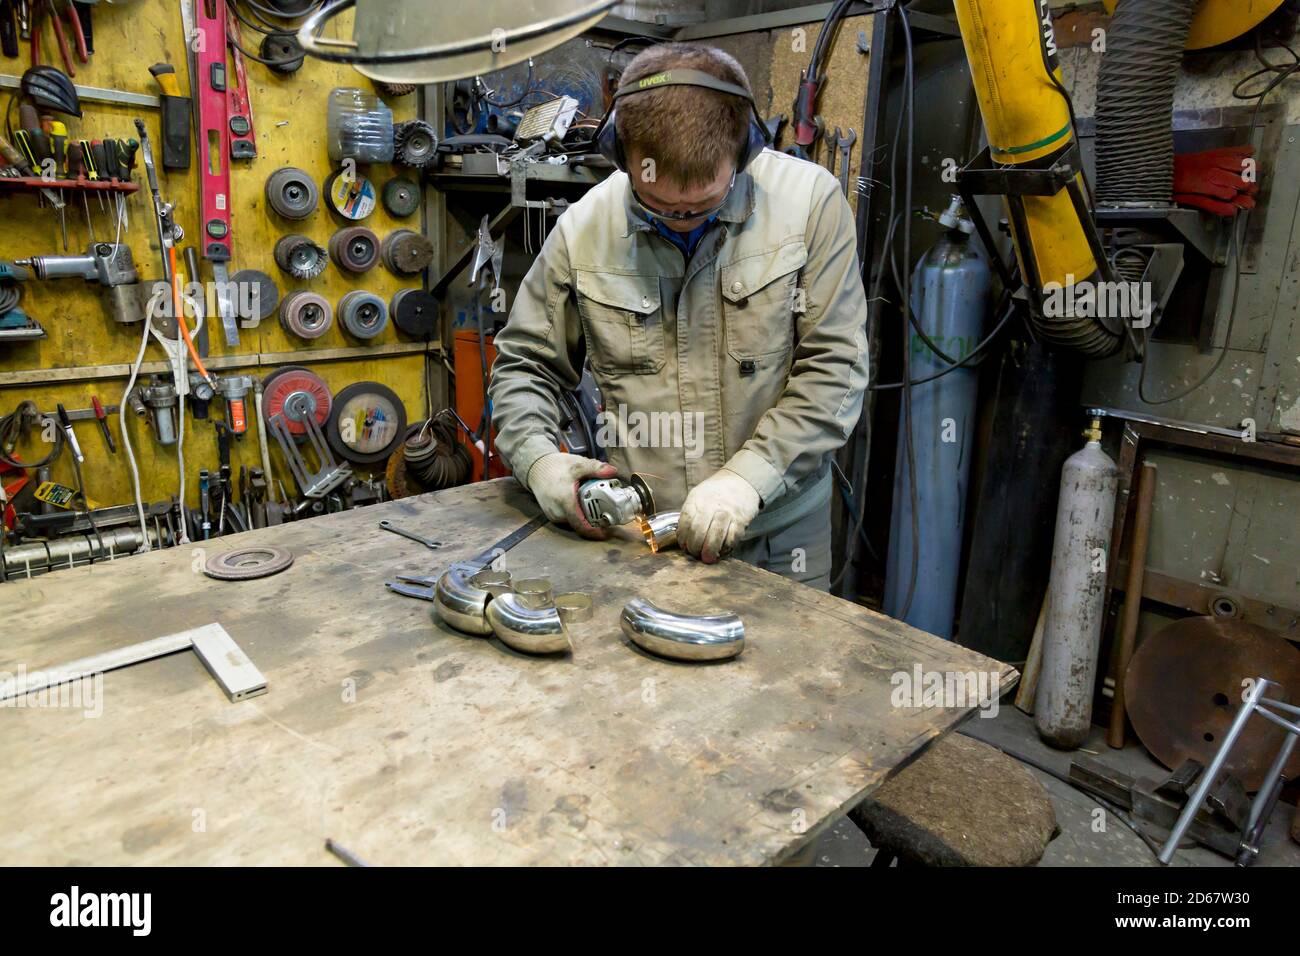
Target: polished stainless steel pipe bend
{"type": "Point", "coordinates": [660, 530]}
{"type": "Point", "coordinates": [684, 637]}
{"type": "Point", "coordinates": [532, 630]}
{"type": "Point", "coordinates": [460, 602]}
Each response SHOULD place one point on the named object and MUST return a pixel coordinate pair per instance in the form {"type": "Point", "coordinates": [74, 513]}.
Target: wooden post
{"type": "Point", "coordinates": [1137, 561]}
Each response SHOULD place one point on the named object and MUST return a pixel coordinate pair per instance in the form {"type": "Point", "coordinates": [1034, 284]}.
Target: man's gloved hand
{"type": "Point", "coordinates": [1214, 180]}
{"type": "Point", "coordinates": [715, 514]}
{"type": "Point", "coordinates": [553, 480]}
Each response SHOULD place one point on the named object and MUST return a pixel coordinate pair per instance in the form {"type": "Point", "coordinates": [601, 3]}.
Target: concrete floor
{"type": "Point", "coordinates": [1078, 844]}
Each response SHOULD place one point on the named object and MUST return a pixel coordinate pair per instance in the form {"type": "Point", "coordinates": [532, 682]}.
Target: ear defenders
{"type": "Point", "coordinates": [606, 135]}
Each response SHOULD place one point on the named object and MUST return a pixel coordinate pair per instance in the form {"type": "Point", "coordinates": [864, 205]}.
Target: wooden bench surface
{"type": "Point", "coordinates": [410, 743]}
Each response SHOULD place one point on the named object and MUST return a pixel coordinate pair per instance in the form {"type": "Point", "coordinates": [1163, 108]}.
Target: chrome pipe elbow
{"type": "Point", "coordinates": [461, 603]}
{"type": "Point", "coordinates": [660, 530]}
{"type": "Point", "coordinates": [527, 629]}
{"type": "Point", "coordinates": [683, 637]}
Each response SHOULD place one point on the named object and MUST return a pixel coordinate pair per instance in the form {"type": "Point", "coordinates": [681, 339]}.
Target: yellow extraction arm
{"type": "Point", "coordinates": [1014, 66]}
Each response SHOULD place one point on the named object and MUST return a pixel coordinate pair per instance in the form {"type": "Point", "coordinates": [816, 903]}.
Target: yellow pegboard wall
{"type": "Point", "coordinates": [289, 115]}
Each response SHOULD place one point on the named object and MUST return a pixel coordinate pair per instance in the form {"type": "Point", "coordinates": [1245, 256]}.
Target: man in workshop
{"type": "Point", "coordinates": [719, 296]}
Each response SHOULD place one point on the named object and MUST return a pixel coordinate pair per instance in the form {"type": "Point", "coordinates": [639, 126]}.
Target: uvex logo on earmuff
{"type": "Point", "coordinates": [654, 80]}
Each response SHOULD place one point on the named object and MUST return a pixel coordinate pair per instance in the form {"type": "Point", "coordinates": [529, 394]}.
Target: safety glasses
{"type": "Point", "coordinates": [683, 216]}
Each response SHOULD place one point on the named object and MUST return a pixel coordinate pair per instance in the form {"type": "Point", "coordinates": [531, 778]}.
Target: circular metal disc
{"type": "Point", "coordinates": [299, 256]}
{"type": "Point", "coordinates": [291, 192]}
{"type": "Point", "coordinates": [262, 292]}
{"type": "Point", "coordinates": [406, 252]}
{"type": "Point", "coordinates": [352, 197]}
{"type": "Point", "coordinates": [354, 249]}
{"type": "Point", "coordinates": [1184, 686]}
{"type": "Point", "coordinates": [289, 382]}
{"type": "Point", "coordinates": [244, 564]}
{"type": "Point", "coordinates": [367, 423]}
{"type": "Point", "coordinates": [306, 314]}
{"type": "Point", "coordinates": [283, 51]}
{"type": "Point", "coordinates": [363, 314]}
{"type": "Point", "coordinates": [401, 197]}
{"type": "Point", "coordinates": [415, 312]}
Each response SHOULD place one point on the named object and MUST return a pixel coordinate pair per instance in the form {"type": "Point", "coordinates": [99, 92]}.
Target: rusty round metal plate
{"type": "Point", "coordinates": [244, 564]}
{"type": "Point", "coordinates": [1184, 686]}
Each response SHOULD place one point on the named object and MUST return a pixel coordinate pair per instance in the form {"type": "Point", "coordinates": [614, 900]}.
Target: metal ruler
{"type": "Point", "coordinates": [223, 658]}
{"type": "Point", "coordinates": [212, 136]}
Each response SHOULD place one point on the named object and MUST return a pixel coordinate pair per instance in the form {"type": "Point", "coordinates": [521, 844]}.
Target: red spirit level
{"type": "Point", "coordinates": [213, 136]}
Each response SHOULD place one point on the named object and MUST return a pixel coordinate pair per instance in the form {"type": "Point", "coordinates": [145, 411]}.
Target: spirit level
{"type": "Point", "coordinates": [213, 136]}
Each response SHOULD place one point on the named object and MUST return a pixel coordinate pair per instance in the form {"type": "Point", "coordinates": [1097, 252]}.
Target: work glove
{"type": "Point", "coordinates": [715, 515]}
{"type": "Point", "coordinates": [553, 479]}
{"type": "Point", "coordinates": [1213, 180]}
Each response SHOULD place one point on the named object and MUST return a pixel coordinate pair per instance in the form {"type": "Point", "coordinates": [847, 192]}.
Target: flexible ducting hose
{"type": "Point", "coordinates": [1135, 101]}
{"type": "Point", "coordinates": [435, 456]}
{"type": "Point", "coordinates": [1015, 69]}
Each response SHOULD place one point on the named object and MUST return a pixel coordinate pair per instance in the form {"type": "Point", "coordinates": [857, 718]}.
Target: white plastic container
{"type": "Point", "coordinates": [359, 127]}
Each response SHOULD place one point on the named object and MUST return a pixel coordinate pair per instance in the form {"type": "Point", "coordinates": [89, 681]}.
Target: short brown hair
{"type": "Point", "coordinates": [689, 131]}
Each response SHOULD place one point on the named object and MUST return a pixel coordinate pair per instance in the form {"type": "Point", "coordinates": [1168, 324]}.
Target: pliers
{"type": "Point", "coordinates": [51, 7]}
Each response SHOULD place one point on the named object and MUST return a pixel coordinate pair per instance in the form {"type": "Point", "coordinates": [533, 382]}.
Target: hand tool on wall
{"type": "Point", "coordinates": [84, 8]}
{"type": "Point", "coordinates": [32, 151]}
{"type": "Point", "coordinates": [15, 324]}
{"type": "Point", "coordinates": [262, 447]}
{"type": "Point", "coordinates": [170, 233]}
{"type": "Point", "coordinates": [832, 143]}
{"type": "Point", "coordinates": [804, 112]}
{"type": "Point", "coordinates": [197, 303]}
{"type": "Point", "coordinates": [108, 263]}
{"type": "Point", "coordinates": [175, 118]}
{"type": "Point", "coordinates": [846, 150]}
{"type": "Point", "coordinates": [205, 502]}
{"type": "Point", "coordinates": [66, 424]}
{"type": "Point", "coordinates": [18, 159]}
{"type": "Point", "coordinates": [213, 137]}
{"type": "Point", "coordinates": [488, 254]}
{"type": "Point", "coordinates": [8, 29]}
{"type": "Point", "coordinates": [40, 7]}
{"type": "Point", "coordinates": [71, 12]}
{"type": "Point", "coordinates": [102, 417]}
{"type": "Point", "coordinates": [222, 491]}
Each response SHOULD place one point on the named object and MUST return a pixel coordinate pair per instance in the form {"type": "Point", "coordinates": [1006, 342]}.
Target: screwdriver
{"type": "Point", "coordinates": [59, 147]}
{"type": "Point", "coordinates": [76, 170]}
{"type": "Point", "coordinates": [15, 158]}
{"type": "Point", "coordinates": [58, 134]}
{"type": "Point", "coordinates": [102, 416]}
{"type": "Point", "coordinates": [129, 148]}
{"type": "Point", "coordinates": [92, 167]}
